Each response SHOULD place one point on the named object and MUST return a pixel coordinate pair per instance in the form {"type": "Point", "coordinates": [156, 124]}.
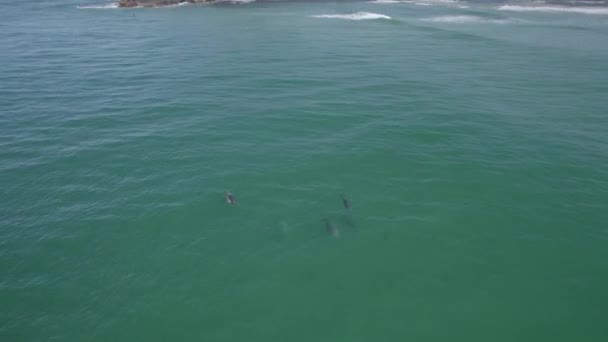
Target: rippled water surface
{"type": "Point", "coordinates": [470, 139]}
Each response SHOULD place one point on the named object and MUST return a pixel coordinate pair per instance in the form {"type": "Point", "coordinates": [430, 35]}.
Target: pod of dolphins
{"type": "Point", "coordinates": [330, 228]}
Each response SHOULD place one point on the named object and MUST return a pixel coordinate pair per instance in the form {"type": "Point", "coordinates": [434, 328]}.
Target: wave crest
{"type": "Point", "coordinates": [99, 6]}
{"type": "Point", "coordinates": [464, 19]}
{"type": "Point", "coordinates": [354, 16]}
{"type": "Point", "coordinates": [581, 10]}
{"type": "Point", "coordinates": [234, 2]}
{"type": "Point", "coordinates": [384, 2]}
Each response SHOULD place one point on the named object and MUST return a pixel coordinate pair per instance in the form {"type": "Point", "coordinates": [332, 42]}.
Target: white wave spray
{"type": "Point", "coordinates": [354, 16]}
{"type": "Point", "coordinates": [384, 2]}
{"type": "Point", "coordinates": [99, 6]}
{"type": "Point", "coordinates": [465, 19]}
{"type": "Point", "coordinates": [555, 9]}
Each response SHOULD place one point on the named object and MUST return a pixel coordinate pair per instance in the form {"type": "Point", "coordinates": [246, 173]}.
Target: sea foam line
{"type": "Point", "coordinates": [185, 3]}
{"type": "Point", "coordinates": [235, 2]}
{"type": "Point", "coordinates": [390, 2]}
{"type": "Point", "coordinates": [354, 16]}
{"type": "Point", "coordinates": [582, 10]}
{"type": "Point", "coordinates": [588, 2]}
{"type": "Point", "coordinates": [384, 2]}
{"type": "Point", "coordinates": [420, 3]}
{"type": "Point", "coordinates": [464, 19]}
{"type": "Point", "coordinates": [100, 6]}
{"type": "Point", "coordinates": [177, 5]}
{"type": "Point", "coordinates": [436, 2]}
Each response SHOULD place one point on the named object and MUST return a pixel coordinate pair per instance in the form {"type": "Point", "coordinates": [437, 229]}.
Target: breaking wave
{"type": "Point", "coordinates": [235, 2]}
{"type": "Point", "coordinates": [99, 6]}
{"type": "Point", "coordinates": [384, 2]}
{"type": "Point", "coordinates": [582, 10]}
{"type": "Point", "coordinates": [464, 19]}
{"type": "Point", "coordinates": [354, 16]}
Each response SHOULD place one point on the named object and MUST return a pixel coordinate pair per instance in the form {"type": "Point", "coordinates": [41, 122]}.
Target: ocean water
{"type": "Point", "coordinates": [471, 140]}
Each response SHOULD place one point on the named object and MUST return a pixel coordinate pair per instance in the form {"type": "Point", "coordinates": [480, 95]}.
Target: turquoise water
{"type": "Point", "coordinates": [471, 140]}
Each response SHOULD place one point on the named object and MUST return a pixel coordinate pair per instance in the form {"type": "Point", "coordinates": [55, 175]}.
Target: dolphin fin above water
{"type": "Point", "coordinates": [230, 199]}
{"type": "Point", "coordinates": [345, 202]}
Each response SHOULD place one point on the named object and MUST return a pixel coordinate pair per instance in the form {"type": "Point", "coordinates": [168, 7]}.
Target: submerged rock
{"type": "Point", "coordinates": [155, 3]}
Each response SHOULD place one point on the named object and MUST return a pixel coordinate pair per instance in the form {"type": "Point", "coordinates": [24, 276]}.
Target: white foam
{"type": "Point", "coordinates": [236, 1]}
{"type": "Point", "coordinates": [435, 2]}
{"type": "Point", "coordinates": [581, 10]}
{"type": "Point", "coordinates": [102, 6]}
{"type": "Point", "coordinates": [384, 2]}
{"type": "Point", "coordinates": [587, 2]}
{"type": "Point", "coordinates": [464, 19]}
{"type": "Point", "coordinates": [391, 2]}
{"type": "Point", "coordinates": [175, 5]}
{"type": "Point", "coordinates": [425, 3]}
{"type": "Point", "coordinates": [354, 16]}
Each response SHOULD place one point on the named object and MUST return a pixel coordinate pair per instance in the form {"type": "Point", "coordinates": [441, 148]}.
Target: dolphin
{"type": "Point", "coordinates": [230, 199]}
{"type": "Point", "coordinates": [345, 202]}
{"type": "Point", "coordinates": [331, 228]}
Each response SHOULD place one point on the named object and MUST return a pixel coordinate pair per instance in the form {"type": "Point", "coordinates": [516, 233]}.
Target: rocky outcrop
{"type": "Point", "coordinates": [155, 3]}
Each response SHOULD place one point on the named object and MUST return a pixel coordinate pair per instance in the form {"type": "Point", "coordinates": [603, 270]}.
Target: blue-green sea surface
{"type": "Point", "coordinates": [470, 139]}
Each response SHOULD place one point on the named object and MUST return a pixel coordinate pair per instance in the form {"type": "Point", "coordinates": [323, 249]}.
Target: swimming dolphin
{"type": "Point", "coordinates": [330, 228]}
{"type": "Point", "coordinates": [230, 199]}
{"type": "Point", "coordinates": [345, 202]}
